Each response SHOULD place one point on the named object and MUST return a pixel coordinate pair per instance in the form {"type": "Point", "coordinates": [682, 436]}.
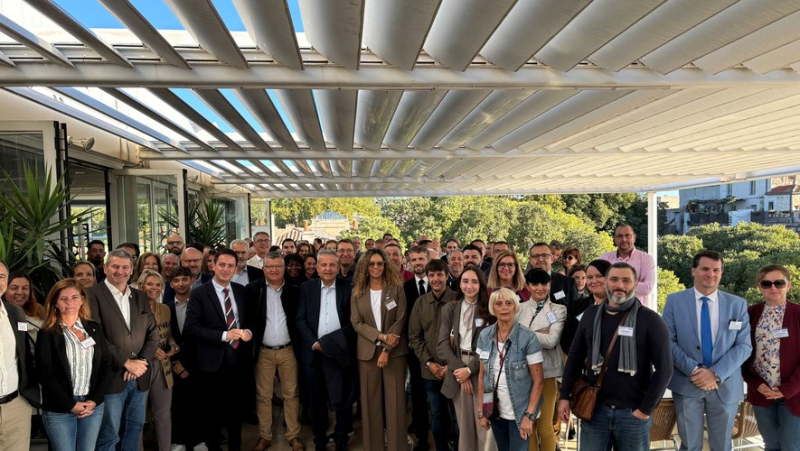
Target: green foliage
{"type": "Point", "coordinates": [295, 211]}
{"type": "Point", "coordinates": [747, 248]}
{"type": "Point", "coordinates": [372, 227]}
{"type": "Point", "coordinates": [414, 216]}
{"type": "Point", "coordinates": [206, 222]}
{"type": "Point", "coordinates": [31, 228]}
{"type": "Point", "coordinates": [468, 218]}
{"type": "Point", "coordinates": [541, 222]}
{"type": "Point", "coordinates": [668, 283]}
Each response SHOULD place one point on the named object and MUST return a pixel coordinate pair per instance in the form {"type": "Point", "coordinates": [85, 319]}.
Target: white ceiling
{"type": "Point", "coordinates": [427, 97]}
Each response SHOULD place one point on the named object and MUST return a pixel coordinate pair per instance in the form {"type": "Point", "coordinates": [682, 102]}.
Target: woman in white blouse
{"type": "Point", "coordinates": [72, 362]}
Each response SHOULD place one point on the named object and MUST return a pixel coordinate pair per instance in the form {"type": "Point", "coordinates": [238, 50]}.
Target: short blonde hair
{"type": "Point", "coordinates": [503, 294]}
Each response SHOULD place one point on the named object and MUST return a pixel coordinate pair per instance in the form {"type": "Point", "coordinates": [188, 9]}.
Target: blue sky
{"type": "Point", "coordinates": [94, 15]}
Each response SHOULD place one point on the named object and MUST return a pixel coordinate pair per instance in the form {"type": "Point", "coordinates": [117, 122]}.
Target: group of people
{"type": "Point", "coordinates": [488, 352]}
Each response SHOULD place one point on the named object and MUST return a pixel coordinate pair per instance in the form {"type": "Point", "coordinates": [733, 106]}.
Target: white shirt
{"type": "Point", "coordinates": [328, 312]}
{"type": "Point", "coordinates": [242, 278]}
{"type": "Point", "coordinates": [80, 360]}
{"type": "Point", "coordinates": [276, 332]}
{"type": "Point", "coordinates": [9, 373]}
{"type": "Point", "coordinates": [218, 288]}
{"type": "Point", "coordinates": [503, 394]}
{"type": "Point", "coordinates": [424, 282]}
{"type": "Point", "coordinates": [375, 298]}
{"type": "Point", "coordinates": [713, 310]}
{"type": "Point", "coordinates": [180, 312]}
{"type": "Point", "coordinates": [256, 261]}
{"type": "Point", "coordinates": [466, 332]}
{"type": "Point", "coordinates": [123, 301]}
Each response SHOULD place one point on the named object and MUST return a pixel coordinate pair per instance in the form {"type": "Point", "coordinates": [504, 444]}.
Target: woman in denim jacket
{"type": "Point", "coordinates": [511, 375]}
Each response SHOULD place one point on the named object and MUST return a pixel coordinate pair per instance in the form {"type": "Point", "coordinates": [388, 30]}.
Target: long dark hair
{"type": "Point", "coordinates": [483, 295]}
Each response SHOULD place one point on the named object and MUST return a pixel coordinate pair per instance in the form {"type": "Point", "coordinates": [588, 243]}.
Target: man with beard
{"type": "Point", "coordinates": [455, 260]}
{"type": "Point", "coordinates": [175, 244]}
{"type": "Point", "coordinates": [414, 288]}
{"type": "Point", "coordinates": [245, 273]}
{"type": "Point", "coordinates": [473, 256]}
{"type": "Point", "coordinates": [97, 255]}
{"type": "Point", "coordinates": [631, 390]}
{"type": "Point", "coordinates": [395, 255]}
{"type": "Point", "coordinates": [562, 288]}
{"type": "Point", "coordinates": [289, 246]}
{"type": "Point", "coordinates": [625, 240]}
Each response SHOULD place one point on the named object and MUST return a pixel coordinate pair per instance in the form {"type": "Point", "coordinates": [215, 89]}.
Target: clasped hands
{"type": "Point", "coordinates": [770, 393]}
{"type": "Point", "coordinates": [239, 334]}
{"type": "Point", "coordinates": [134, 369]}
{"type": "Point", "coordinates": [83, 408]}
{"type": "Point", "coordinates": [704, 379]}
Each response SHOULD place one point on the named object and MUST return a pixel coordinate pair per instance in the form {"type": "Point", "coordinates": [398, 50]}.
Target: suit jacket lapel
{"type": "Point", "coordinates": [61, 349]}
{"type": "Point", "coordinates": [723, 316]}
{"type": "Point", "coordinates": [693, 315]}
{"type": "Point", "coordinates": [212, 293]}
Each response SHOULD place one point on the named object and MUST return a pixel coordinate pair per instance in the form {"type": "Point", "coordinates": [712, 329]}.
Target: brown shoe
{"type": "Point", "coordinates": [296, 444]}
{"type": "Point", "coordinates": [262, 444]}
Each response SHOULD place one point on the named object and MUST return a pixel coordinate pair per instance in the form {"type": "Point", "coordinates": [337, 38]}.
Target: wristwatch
{"type": "Point", "coordinates": [530, 415]}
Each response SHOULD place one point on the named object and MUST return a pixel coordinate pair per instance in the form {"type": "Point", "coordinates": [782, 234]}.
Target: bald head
{"type": "Point", "coordinates": [175, 244]}
{"type": "Point", "coordinates": [192, 259]}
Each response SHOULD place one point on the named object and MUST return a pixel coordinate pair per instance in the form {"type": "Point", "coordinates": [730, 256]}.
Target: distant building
{"type": "Point", "coordinates": [773, 201]}
{"type": "Point", "coordinates": [327, 225]}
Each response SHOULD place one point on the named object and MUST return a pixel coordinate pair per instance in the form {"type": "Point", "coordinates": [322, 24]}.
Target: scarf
{"type": "Point", "coordinates": [627, 354]}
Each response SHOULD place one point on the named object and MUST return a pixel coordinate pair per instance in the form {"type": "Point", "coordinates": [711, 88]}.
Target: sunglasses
{"type": "Point", "coordinates": [569, 257]}
{"type": "Point", "coordinates": [766, 284]}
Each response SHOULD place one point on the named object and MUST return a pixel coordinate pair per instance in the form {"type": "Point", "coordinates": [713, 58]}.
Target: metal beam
{"type": "Point", "coordinates": [302, 112]}
{"type": "Point", "coordinates": [260, 105]}
{"type": "Point", "coordinates": [33, 42]}
{"type": "Point", "coordinates": [413, 154]}
{"type": "Point", "coordinates": [144, 30]}
{"type": "Point", "coordinates": [395, 30]}
{"type": "Point", "coordinates": [386, 77]}
{"type": "Point", "coordinates": [338, 114]}
{"type": "Point", "coordinates": [269, 24]}
{"type": "Point", "coordinates": [217, 102]}
{"type": "Point", "coordinates": [334, 27]}
{"type": "Point", "coordinates": [203, 22]}
{"type": "Point", "coordinates": [182, 107]}
{"type": "Point", "coordinates": [55, 13]}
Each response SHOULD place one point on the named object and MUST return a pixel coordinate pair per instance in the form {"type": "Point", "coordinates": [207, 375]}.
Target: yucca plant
{"type": "Point", "coordinates": [206, 222]}
{"type": "Point", "coordinates": [31, 228]}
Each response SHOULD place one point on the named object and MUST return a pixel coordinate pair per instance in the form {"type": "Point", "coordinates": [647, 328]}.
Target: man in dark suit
{"type": "Point", "coordinates": [185, 391]}
{"type": "Point", "coordinates": [328, 349]}
{"type": "Point", "coordinates": [274, 310]}
{"type": "Point", "coordinates": [562, 288]}
{"type": "Point", "coordinates": [130, 331]}
{"type": "Point", "coordinates": [216, 323]}
{"type": "Point", "coordinates": [416, 288]}
{"type": "Point", "coordinates": [19, 389]}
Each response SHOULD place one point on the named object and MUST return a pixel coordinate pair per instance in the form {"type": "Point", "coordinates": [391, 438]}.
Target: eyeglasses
{"type": "Point", "coordinates": [767, 284]}
{"type": "Point", "coordinates": [262, 241]}
{"type": "Point", "coordinates": [506, 265]}
{"type": "Point", "coordinates": [376, 264]}
{"type": "Point", "coordinates": [540, 256]}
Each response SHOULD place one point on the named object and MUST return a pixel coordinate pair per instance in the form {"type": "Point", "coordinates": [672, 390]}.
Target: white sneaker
{"type": "Point", "coordinates": [176, 447]}
{"type": "Point", "coordinates": [201, 447]}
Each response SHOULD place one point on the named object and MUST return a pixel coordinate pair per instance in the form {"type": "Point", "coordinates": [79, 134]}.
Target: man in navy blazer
{"type": "Point", "coordinates": [221, 339]}
{"type": "Point", "coordinates": [707, 377]}
{"type": "Point", "coordinates": [328, 345]}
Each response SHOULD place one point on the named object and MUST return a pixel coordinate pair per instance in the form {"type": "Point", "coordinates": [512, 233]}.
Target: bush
{"type": "Point", "coordinates": [668, 283]}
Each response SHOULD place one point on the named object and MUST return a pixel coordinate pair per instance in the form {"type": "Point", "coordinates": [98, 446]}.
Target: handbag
{"type": "Point", "coordinates": [583, 397]}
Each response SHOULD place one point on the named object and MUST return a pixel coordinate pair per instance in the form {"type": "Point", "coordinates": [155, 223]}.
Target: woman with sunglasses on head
{"type": "Point", "coordinates": [506, 272]}
{"type": "Point", "coordinates": [378, 314]}
{"type": "Point", "coordinates": [571, 257]}
{"type": "Point", "coordinates": [596, 286]}
{"type": "Point", "coordinates": [772, 372]}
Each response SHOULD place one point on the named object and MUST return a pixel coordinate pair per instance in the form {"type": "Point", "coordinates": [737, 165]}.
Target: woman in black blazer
{"type": "Point", "coordinates": [73, 363]}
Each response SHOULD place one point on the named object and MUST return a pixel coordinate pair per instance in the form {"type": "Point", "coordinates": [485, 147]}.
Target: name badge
{"type": "Point", "coordinates": [551, 317]}
{"type": "Point", "coordinates": [735, 325]}
{"type": "Point", "coordinates": [22, 326]}
{"type": "Point", "coordinates": [559, 295]}
{"type": "Point", "coordinates": [483, 355]}
{"type": "Point", "coordinates": [780, 333]}
{"type": "Point", "coordinates": [88, 343]}
{"type": "Point", "coordinates": [625, 331]}
{"type": "Point", "coordinates": [478, 322]}
{"type": "Point", "coordinates": [488, 398]}
{"type": "Point", "coordinates": [579, 317]}
{"type": "Point", "coordinates": [391, 305]}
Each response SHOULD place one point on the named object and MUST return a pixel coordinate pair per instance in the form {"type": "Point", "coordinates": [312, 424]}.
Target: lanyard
{"type": "Point", "coordinates": [539, 307]}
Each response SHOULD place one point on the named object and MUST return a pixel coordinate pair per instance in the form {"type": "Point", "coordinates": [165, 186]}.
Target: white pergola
{"type": "Point", "coordinates": [431, 97]}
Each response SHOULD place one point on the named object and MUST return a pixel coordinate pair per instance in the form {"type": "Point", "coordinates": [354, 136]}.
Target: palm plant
{"type": "Point", "coordinates": [206, 222]}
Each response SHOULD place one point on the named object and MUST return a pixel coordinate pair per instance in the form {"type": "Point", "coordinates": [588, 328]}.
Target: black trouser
{"type": "Point", "coordinates": [225, 405]}
{"type": "Point", "coordinates": [419, 401]}
{"type": "Point", "coordinates": [185, 394]}
{"type": "Point", "coordinates": [318, 396]}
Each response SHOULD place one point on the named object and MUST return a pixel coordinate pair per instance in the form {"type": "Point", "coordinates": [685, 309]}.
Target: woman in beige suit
{"type": "Point", "coordinates": [378, 314]}
{"type": "Point", "coordinates": [160, 395]}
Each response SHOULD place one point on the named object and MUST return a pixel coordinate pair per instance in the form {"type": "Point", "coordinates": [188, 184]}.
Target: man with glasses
{"type": "Point", "coordinates": [710, 340]}
{"type": "Point", "coordinates": [244, 272]}
{"type": "Point", "coordinates": [562, 288]}
{"type": "Point", "coordinates": [275, 334]}
{"type": "Point", "coordinates": [261, 243]}
{"type": "Point", "coordinates": [175, 244]}
{"type": "Point", "coordinates": [347, 259]}
{"type": "Point", "coordinates": [625, 240]}
{"type": "Point", "coordinates": [455, 265]}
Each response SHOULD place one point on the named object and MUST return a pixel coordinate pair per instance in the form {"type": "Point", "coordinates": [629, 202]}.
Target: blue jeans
{"type": "Point", "coordinates": [123, 419]}
{"type": "Point", "coordinates": [779, 429]}
{"type": "Point", "coordinates": [506, 435]}
{"type": "Point", "coordinates": [67, 432]}
{"type": "Point", "coordinates": [627, 432]}
{"type": "Point", "coordinates": [442, 412]}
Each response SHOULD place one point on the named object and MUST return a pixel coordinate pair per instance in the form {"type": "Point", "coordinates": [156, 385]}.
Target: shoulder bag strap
{"type": "Point", "coordinates": [610, 348]}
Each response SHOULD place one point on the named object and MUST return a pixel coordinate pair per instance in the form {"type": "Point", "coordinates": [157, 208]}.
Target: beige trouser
{"type": "Point", "coordinates": [471, 436]}
{"type": "Point", "coordinates": [284, 362]}
{"type": "Point", "coordinates": [543, 432]}
{"type": "Point", "coordinates": [15, 425]}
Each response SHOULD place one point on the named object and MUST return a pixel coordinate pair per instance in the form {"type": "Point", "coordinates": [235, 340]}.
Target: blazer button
{"type": "Point", "coordinates": [698, 348]}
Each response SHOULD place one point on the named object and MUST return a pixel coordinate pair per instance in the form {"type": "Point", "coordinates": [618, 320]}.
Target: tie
{"type": "Point", "coordinates": [422, 287]}
{"type": "Point", "coordinates": [468, 316]}
{"type": "Point", "coordinates": [705, 332]}
{"type": "Point", "coordinates": [229, 317]}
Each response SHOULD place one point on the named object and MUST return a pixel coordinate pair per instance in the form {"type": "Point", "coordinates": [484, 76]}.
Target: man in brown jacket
{"type": "Point", "coordinates": [423, 337]}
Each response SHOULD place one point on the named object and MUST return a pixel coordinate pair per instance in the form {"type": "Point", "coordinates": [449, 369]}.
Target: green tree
{"type": "Point", "coordinates": [747, 236]}
{"type": "Point", "coordinates": [471, 217]}
{"type": "Point", "coordinates": [668, 283]}
{"type": "Point", "coordinates": [414, 216]}
{"type": "Point", "coordinates": [675, 252]}
{"type": "Point", "coordinates": [295, 211]}
{"type": "Point", "coordinates": [372, 227]}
